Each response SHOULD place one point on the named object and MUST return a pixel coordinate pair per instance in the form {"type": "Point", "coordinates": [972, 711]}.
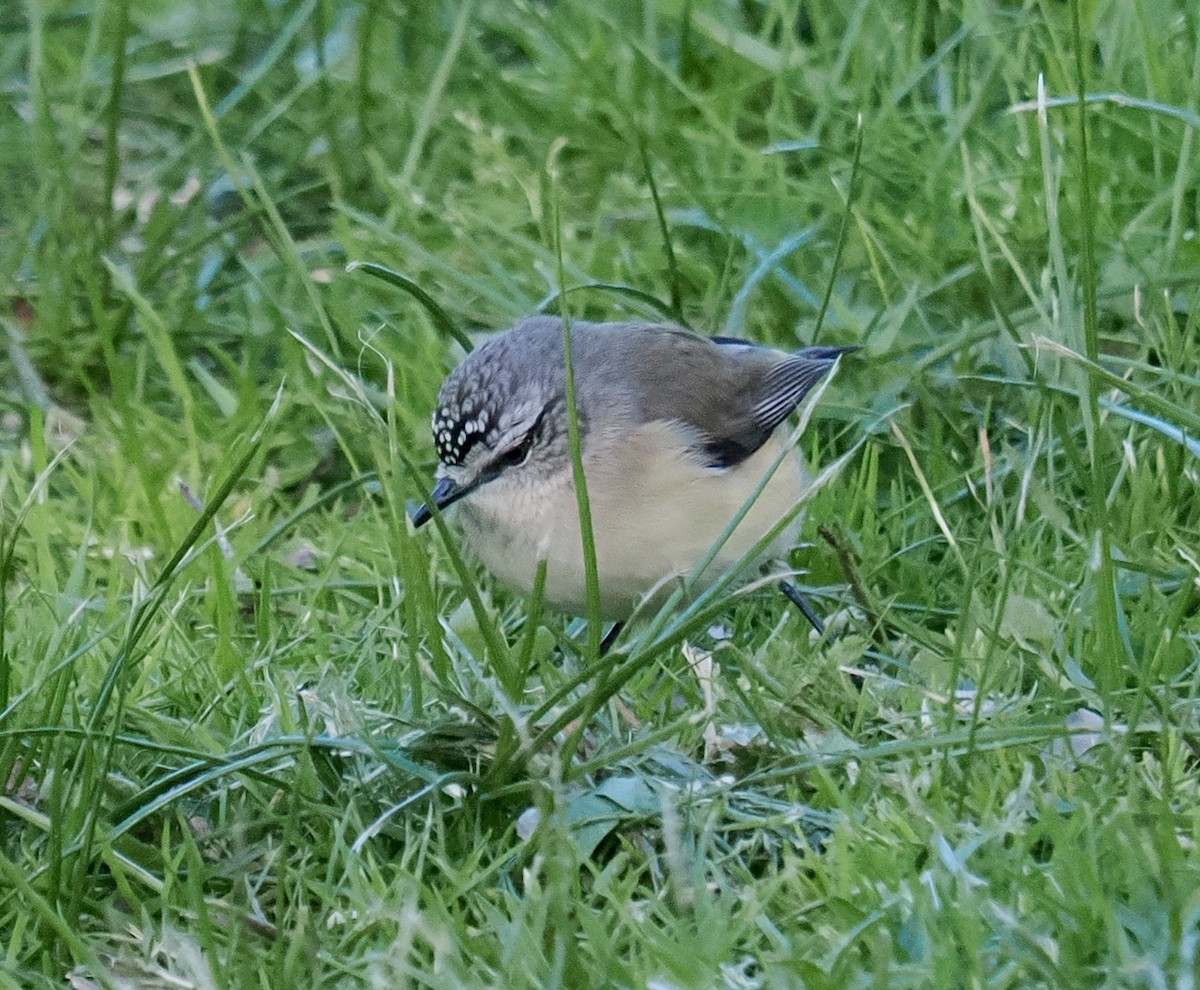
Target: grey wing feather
{"type": "Point", "coordinates": [730, 394]}
{"type": "Point", "coordinates": [787, 385]}
{"type": "Point", "coordinates": [782, 389]}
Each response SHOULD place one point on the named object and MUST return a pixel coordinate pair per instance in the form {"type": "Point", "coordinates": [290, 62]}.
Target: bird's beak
{"type": "Point", "coordinates": [445, 493]}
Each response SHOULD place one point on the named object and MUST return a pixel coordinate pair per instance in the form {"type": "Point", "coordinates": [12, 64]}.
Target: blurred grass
{"type": "Point", "coordinates": [260, 733]}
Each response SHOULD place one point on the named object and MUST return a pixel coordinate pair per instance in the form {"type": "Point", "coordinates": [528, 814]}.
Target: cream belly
{"type": "Point", "coordinates": [652, 518]}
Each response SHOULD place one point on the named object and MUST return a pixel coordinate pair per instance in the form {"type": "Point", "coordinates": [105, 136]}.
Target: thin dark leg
{"type": "Point", "coordinates": [792, 594]}
{"type": "Point", "coordinates": [610, 637]}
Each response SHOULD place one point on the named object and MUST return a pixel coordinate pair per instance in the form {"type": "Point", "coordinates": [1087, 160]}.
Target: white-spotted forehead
{"type": "Point", "coordinates": [457, 428]}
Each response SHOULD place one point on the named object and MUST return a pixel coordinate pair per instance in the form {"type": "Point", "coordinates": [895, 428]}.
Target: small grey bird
{"type": "Point", "coordinates": [676, 432]}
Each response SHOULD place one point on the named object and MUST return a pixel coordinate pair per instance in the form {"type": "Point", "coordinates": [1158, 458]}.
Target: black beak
{"type": "Point", "coordinates": [445, 493]}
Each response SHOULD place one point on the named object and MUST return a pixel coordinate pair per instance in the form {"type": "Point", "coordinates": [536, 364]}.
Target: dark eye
{"type": "Point", "coordinates": [517, 455]}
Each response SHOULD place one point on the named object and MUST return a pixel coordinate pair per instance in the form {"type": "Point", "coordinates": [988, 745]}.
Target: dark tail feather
{"type": "Point", "coordinates": [820, 353]}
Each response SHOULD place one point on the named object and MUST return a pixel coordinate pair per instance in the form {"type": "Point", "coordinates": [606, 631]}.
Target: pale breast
{"type": "Point", "coordinates": [654, 517]}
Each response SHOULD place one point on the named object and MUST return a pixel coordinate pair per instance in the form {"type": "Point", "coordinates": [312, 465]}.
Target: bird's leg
{"type": "Point", "coordinates": [610, 637]}
{"type": "Point", "coordinates": [792, 594]}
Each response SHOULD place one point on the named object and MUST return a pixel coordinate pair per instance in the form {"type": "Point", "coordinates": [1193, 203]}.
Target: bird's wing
{"type": "Point", "coordinates": [729, 395]}
{"type": "Point", "coordinates": [786, 385]}
{"type": "Point", "coordinates": [770, 395]}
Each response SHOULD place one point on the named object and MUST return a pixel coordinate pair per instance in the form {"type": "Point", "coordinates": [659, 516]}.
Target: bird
{"type": "Point", "coordinates": [676, 429]}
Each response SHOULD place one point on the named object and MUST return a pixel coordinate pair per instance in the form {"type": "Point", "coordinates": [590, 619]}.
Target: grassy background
{"type": "Point", "coordinates": [255, 732]}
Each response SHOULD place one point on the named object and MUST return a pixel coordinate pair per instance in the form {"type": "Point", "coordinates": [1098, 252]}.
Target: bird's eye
{"type": "Point", "coordinates": [517, 455]}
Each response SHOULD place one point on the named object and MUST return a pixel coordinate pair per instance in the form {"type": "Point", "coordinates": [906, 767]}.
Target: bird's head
{"type": "Point", "coordinates": [498, 422]}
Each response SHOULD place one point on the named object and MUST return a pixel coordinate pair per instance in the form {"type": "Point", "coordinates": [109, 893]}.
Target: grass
{"type": "Point", "coordinates": [254, 731]}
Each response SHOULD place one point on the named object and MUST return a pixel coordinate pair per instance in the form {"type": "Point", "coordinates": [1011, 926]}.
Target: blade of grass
{"type": "Point", "coordinates": [843, 230]}
{"type": "Point", "coordinates": [81, 952]}
{"type": "Point", "coordinates": [261, 204]}
{"type": "Point", "coordinates": [591, 573]}
{"type": "Point", "coordinates": [441, 320]}
{"type": "Point", "coordinates": [281, 41]}
{"type": "Point", "coordinates": [1111, 642]}
{"type": "Point", "coordinates": [112, 116]}
{"type": "Point", "coordinates": [437, 85]}
{"type": "Point", "coordinates": [628, 291]}
{"type": "Point", "coordinates": [673, 279]}
{"type": "Point", "coordinates": [90, 768]}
